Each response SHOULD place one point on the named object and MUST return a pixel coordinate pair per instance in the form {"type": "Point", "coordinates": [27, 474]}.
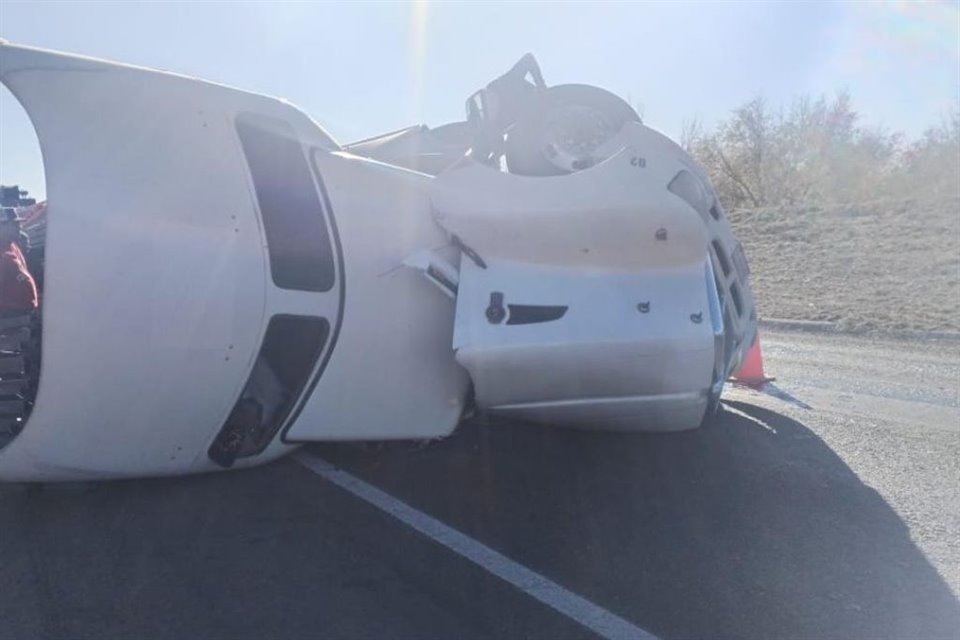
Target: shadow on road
{"type": "Point", "coordinates": [751, 527]}
{"type": "Point", "coordinates": [271, 552]}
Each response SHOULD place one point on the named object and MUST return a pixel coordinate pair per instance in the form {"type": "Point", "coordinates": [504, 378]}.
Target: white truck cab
{"type": "Point", "coordinates": [224, 281]}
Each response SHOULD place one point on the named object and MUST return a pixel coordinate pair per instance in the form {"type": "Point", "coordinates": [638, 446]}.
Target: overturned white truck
{"type": "Point", "coordinates": [224, 281]}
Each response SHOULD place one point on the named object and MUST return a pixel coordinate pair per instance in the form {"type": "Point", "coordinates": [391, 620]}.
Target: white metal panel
{"type": "Point", "coordinates": [607, 216]}
{"type": "Point", "coordinates": [392, 373]}
{"type": "Point", "coordinates": [602, 353]}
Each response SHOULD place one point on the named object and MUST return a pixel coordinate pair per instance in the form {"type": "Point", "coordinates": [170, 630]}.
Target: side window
{"type": "Point", "coordinates": [687, 187]}
{"type": "Point", "coordinates": [301, 255]}
{"type": "Point", "coordinates": [721, 257]}
{"type": "Point", "coordinates": [289, 353]}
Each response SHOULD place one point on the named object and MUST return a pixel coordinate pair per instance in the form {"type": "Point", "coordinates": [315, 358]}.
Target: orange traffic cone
{"type": "Point", "coordinates": [751, 372]}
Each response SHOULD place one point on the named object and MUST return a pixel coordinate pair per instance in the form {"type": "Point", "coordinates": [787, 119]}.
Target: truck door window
{"type": "Point", "coordinates": [289, 353]}
{"type": "Point", "coordinates": [301, 256]}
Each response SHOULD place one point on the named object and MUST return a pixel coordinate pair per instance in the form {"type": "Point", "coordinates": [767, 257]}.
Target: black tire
{"type": "Point", "coordinates": [524, 148]}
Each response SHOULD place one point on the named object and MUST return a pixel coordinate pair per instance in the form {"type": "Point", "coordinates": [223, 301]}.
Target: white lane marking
{"type": "Point", "coordinates": [577, 608]}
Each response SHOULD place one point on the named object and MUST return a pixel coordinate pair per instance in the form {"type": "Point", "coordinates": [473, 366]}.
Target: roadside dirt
{"type": "Point", "coordinates": [887, 265]}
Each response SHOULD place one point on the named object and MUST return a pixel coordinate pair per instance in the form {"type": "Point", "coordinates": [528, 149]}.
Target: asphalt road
{"type": "Point", "coordinates": [832, 511]}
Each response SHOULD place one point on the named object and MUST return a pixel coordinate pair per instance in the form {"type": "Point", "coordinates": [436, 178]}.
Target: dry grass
{"type": "Point", "coordinates": [876, 265]}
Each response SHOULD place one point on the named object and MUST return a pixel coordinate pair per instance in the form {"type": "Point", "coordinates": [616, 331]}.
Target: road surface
{"type": "Point", "coordinates": [830, 511]}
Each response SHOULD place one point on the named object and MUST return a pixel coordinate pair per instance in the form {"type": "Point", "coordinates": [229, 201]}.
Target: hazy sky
{"type": "Point", "coordinates": [365, 68]}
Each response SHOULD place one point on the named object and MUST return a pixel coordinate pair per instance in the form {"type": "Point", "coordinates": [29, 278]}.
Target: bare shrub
{"type": "Point", "coordinates": [817, 151]}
